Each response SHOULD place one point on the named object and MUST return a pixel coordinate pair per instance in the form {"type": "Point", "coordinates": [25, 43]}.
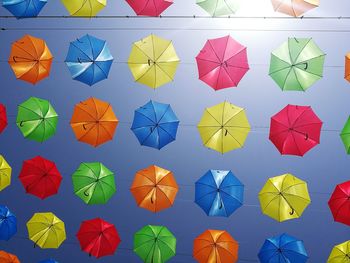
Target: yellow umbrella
{"type": "Point", "coordinates": [153, 61]}
{"type": "Point", "coordinates": [46, 230]}
{"type": "Point", "coordinates": [224, 127]}
{"type": "Point", "coordinates": [284, 197]}
{"type": "Point", "coordinates": [340, 253]}
{"type": "Point", "coordinates": [86, 8]}
{"type": "Point", "coordinates": [5, 173]}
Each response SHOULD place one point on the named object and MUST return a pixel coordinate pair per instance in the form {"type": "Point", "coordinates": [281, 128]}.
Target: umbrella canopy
{"type": "Point", "coordinates": [8, 223]}
{"type": "Point", "coordinates": [85, 8]}
{"type": "Point", "coordinates": [219, 7]}
{"type": "Point", "coordinates": [339, 203]}
{"type": "Point", "coordinates": [98, 238]}
{"type": "Point", "coordinates": [24, 8]}
{"type": "Point", "coordinates": [154, 188]}
{"type": "Point", "coordinates": [347, 67]}
{"type": "Point", "coordinates": [215, 246]}
{"type": "Point", "coordinates": [94, 183]}
{"type": "Point", "coordinates": [340, 253]}
{"type": "Point", "coordinates": [46, 230]}
{"type": "Point", "coordinates": [294, 7]}
{"type": "Point", "coordinates": [30, 59]}
{"type": "Point", "coordinates": [153, 61]}
{"type": "Point", "coordinates": [3, 118]}
{"type": "Point", "coordinates": [154, 244]}
{"type": "Point", "coordinates": [8, 258]}
{"type": "Point", "coordinates": [219, 193]}
{"type": "Point", "coordinates": [224, 127]}
{"type": "Point", "coordinates": [40, 177]}
{"type": "Point", "coordinates": [37, 119]}
{"type": "Point", "coordinates": [149, 7]}
{"type": "Point", "coordinates": [94, 122]}
{"type": "Point", "coordinates": [284, 197]}
{"type": "Point", "coordinates": [295, 130]}
{"type": "Point", "coordinates": [282, 249]}
{"type": "Point", "coordinates": [49, 261]}
{"type": "Point", "coordinates": [5, 173]}
{"type": "Point", "coordinates": [155, 124]}
{"type": "Point", "coordinates": [345, 136]}
{"type": "Point", "coordinates": [222, 62]}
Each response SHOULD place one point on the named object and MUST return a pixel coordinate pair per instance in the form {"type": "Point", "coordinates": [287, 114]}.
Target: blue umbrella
{"type": "Point", "coordinates": [155, 124]}
{"type": "Point", "coordinates": [89, 59]}
{"type": "Point", "coordinates": [48, 261]}
{"type": "Point", "coordinates": [8, 223]}
{"type": "Point", "coordinates": [283, 249]}
{"type": "Point", "coordinates": [24, 8]}
{"type": "Point", "coordinates": [219, 193]}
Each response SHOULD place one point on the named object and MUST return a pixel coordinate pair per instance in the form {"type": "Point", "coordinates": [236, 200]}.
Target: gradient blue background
{"type": "Point", "coordinates": [323, 167]}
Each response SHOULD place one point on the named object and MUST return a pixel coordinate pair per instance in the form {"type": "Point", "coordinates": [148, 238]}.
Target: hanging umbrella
{"type": "Point", "coordinates": [5, 173]}
{"type": "Point", "coordinates": [347, 67]}
{"type": "Point", "coordinates": [345, 135]}
{"type": "Point", "coordinates": [94, 122]}
{"type": "Point", "coordinates": [284, 197]}
{"type": "Point", "coordinates": [149, 7]}
{"type": "Point", "coordinates": [24, 8]}
{"type": "Point", "coordinates": [8, 258]}
{"type": "Point", "coordinates": [8, 223]}
{"type": "Point", "coordinates": [297, 64]}
{"type": "Point", "coordinates": [219, 7]}
{"type": "Point", "coordinates": [340, 253]}
{"type": "Point", "coordinates": [224, 127]}
{"type": "Point", "coordinates": [154, 244]}
{"type": "Point", "coordinates": [153, 61]}
{"type": "Point", "coordinates": [222, 62]}
{"type": "Point", "coordinates": [219, 193]}
{"type": "Point", "coordinates": [294, 7]}
{"type": "Point", "coordinates": [215, 246]}
{"type": "Point", "coordinates": [3, 118]}
{"type": "Point", "coordinates": [295, 130]}
{"type": "Point", "coordinates": [154, 188]}
{"type": "Point", "coordinates": [282, 249]}
{"type": "Point", "coordinates": [339, 203]}
{"type": "Point", "coordinates": [155, 124]}
{"type": "Point", "coordinates": [94, 183]}
{"type": "Point", "coordinates": [49, 261]}
{"type": "Point", "coordinates": [46, 230]}
{"type": "Point", "coordinates": [30, 59]}
{"type": "Point", "coordinates": [98, 238]}
{"type": "Point", "coordinates": [84, 8]}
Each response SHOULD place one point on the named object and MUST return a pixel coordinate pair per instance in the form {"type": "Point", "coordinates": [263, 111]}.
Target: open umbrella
{"type": "Point", "coordinates": [154, 188]}
{"type": "Point", "coordinates": [219, 193]}
{"type": "Point", "coordinates": [219, 7]}
{"type": "Point", "coordinates": [46, 230]}
{"type": "Point", "coordinates": [282, 249]}
{"type": "Point", "coordinates": [98, 238]}
{"type": "Point", "coordinates": [155, 124]}
{"type": "Point", "coordinates": [284, 197]}
{"type": "Point", "coordinates": [154, 244]}
{"type": "Point", "coordinates": [94, 183]}
{"type": "Point", "coordinates": [30, 59]}
{"type": "Point", "coordinates": [94, 122]}
{"type": "Point", "coordinates": [294, 7]}
{"type": "Point", "coordinates": [347, 67]}
{"type": "Point", "coordinates": [345, 135]}
{"type": "Point", "coordinates": [149, 7]}
{"type": "Point", "coordinates": [295, 130]}
{"type": "Point", "coordinates": [153, 61]}
{"type": "Point", "coordinates": [5, 173]}
{"type": "Point", "coordinates": [8, 223]}
{"type": "Point", "coordinates": [339, 203]}
{"type": "Point", "coordinates": [8, 257]}
{"type": "Point", "coordinates": [3, 118]}
{"type": "Point", "coordinates": [224, 127]}
{"type": "Point", "coordinates": [24, 8]}
{"type": "Point", "coordinates": [215, 246]}
{"type": "Point", "coordinates": [49, 261]}
{"type": "Point", "coordinates": [85, 8]}
{"type": "Point", "coordinates": [222, 62]}
{"type": "Point", "coordinates": [340, 253]}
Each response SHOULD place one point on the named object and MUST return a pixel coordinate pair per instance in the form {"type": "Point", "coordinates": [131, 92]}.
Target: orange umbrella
{"type": "Point", "coordinates": [294, 7]}
{"type": "Point", "coordinates": [30, 59]}
{"type": "Point", "coordinates": [94, 121]}
{"type": "Point", "coordinates": [347, 67]}
{"type": "Point", "coordinates": [215, 246]}
{"type": "Point", "coordinates": [154, 188]}
{"type": "Point", "coordinates": [8, 258]}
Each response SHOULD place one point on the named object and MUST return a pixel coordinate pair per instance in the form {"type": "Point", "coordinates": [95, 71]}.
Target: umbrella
{"type": "Point", "coordinates": [222, 62]}
{"type": "Point", "coordinates": [46, 230]}
{"type": "Point", "coordinates": [149, 7]}
{"type": "Point", "coordinates": [94, 122]}
{"type": "Point", "coordinates": [94, 183]}
{"type": "Point", "coordinates": [24, 8]}
{"type": "Point", "coordinates": [294, 7]}
{"type": "Point", "coordinates": [8, 223]}
{"type": "Point", "coordinates": [5, 173]}
{"type": "Point", "coordinates": [339, 203]}
{"type": "Point", "coordinates": [224, 127]}
{"type": "Point", "coordinates": [40, 177]}
{"type": "Point", "coordinates": [37, 119]}
{"type": "Point", "coordinates": [155, 124]}
{"type": "Point", "coordinates": [297, 64]}
{"type": "Point", "coordinates": [219, 193]}
{"type": "Point", "coordinates": [282, 249]}
{"type": "Point", "coordinates": [219, 7]}
{"type": "Point", "coordinates": [49, 261]}
{"type": "Point", "coordinates": [154, 188]}
{"type": "Point", "coordinates": [215, 246]}
{"type": "Point", "coordinates": [284, 197]}
{"type": "Point", "coordinates": [154, 244]}
{"type": "Point", "coordinates": [347, 67]}
{"type": "Point", "coordinates": [295, 130]}
{"type": "Point", "coordinates": [89, 59]}
{"type": "Point", "coordinates": [8, 258]}
{"type": "Point", "coordinates": [98, 238]}
{"type": "Point", "coordinates": [30, 59]}
{"type": "Point", "coordinates": [340, 253]}
{"type": "Point", "coordinates": [153, 61]}
{"type": "Point", "coordinates": [3, 118]}
{"type": "Point", "coordinates": [345, 135]}
{"type": "Point", "coordinates": [85, 8]}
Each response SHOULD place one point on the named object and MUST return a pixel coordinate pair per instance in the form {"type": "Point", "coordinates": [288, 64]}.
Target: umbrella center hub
{"type": "Point", "coordinates": [279, 250]}
{"type": "Point", "coordinates": [291, 129]}
{"type": "Point", "coordinates": [218, 190]}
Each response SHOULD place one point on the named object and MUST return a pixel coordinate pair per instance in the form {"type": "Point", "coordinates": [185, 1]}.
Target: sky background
{"type": "Point", "coordinates": [323, 167]}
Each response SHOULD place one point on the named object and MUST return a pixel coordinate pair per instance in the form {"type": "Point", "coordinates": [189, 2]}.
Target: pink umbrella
{"type": "Point", "coordinates": [222, 62]}
{"type": "Point", "coordinates": [149, 7]}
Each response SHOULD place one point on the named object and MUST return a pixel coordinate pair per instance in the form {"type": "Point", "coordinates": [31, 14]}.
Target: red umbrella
{"type": "Point", "coordinates": [40, 177]}
{"type": "Point", "coordinates": [295, 130]}
{"type": "Point", "coordinates": [98, 237]}
{"type": "Point", "coordinates": [149, 7]}
{"type": "Point", "coordinates": [222, 62]}
{"type": "Point", "coordinates": [3, 118]}
{"type": "Point", "coordinates": [339, 203]}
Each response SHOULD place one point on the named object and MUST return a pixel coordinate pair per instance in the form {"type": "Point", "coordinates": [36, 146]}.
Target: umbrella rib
{"type": "Point", "coordinates": [237, 53]}
{"type": "Point", "coordinates": [83, 52]}
{"type": "Point", "coordinates": [19, 47]}
{"type": "Point", "coordinates": [81, 7]}
{"type": "Point", "coordinates": [165, 49]}
{"type": "Point", "coordinates": [165, 111]}
{"type": "Point", "coordinates": [297, 196]}
{"type": "Point", "coordinates": [166, 73]}
{"type": "Point", "coordinates": [224, 124]}
{"type": "Point", "coordinates": [213, 117]}
{"type": "Point", "coordinates": [234, 138]}
{"type": "Point", "coordinates": [307, 43]}
{"type": "Point", "coordinates": [285, 80]}
{"type": "Point", "coordinates": [93, 172]}
{"type": "Point", "coordinates": [212, 48]}
{"type": "Point", "coordinates": [144, 7]}
{"type": "Point", "coordinates": [211, 137]}
{"type": "Point", "coordinates": [296, 76]}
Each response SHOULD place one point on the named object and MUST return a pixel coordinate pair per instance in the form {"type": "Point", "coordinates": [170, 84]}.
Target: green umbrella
{"type": "Point", "coordinates": [219, 7]}
{"type": "Point", "coordinates": [297, 64]}
{"type": "Point", "coordinates": [37, 119]}
{"type": "Point", "coordinates": [154, 244]}
{"type": "Point", "coordinates": [93, 183]}
{"type": "Point", "coordinates": [345, 135]}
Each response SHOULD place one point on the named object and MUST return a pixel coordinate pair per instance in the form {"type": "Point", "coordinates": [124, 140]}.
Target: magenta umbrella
{"type": "Point", "coordinates": [149, 7]}
{"type": "Point", "coordinates": [222, 62]}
